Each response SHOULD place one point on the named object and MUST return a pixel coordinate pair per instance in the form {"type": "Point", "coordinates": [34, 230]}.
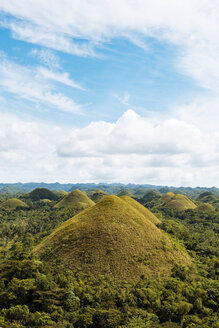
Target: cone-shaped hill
{"type": "Point", "coordinates": [143, 210]}
{"type": "Point", "coordinates": [13, 203]}
{"type": "Point", "coordinates": [75, 199]}
{"type": "Point", "coordinates": [205, 207]}
{"type": "Point", "coordinates": [125, 192]}
{"type": "Point", "coordinates": [41, 193]}
{"type": "Point", "coordinates": [112, 239]}
{"type": "Point", "coordinates": [97, 195]}
{"type": "Point", "coordinates": [177, 202]}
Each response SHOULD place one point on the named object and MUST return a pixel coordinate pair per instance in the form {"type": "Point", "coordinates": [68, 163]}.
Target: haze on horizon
{"type": "Point", "coordinates": [110, 91]}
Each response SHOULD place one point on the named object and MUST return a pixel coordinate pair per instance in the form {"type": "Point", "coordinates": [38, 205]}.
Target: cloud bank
{"type": "Point", "coordinates": [133, 149]}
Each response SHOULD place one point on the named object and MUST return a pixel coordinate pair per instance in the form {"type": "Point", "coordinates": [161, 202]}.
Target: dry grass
{"type": "Point", "coordinates": [143, 210]}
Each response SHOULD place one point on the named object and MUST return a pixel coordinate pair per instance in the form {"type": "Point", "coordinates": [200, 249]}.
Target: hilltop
{"type": "Point", "coordinates": [13, 203]}
{"type": "Point", "coordinates": [75, 199]}
{"type": "Point", "coordinates": [143, 210]}
{"type": "Point", "coordinates": [115, 239]}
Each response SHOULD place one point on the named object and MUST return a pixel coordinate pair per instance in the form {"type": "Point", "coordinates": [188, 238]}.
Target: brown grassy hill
{"type": "Point", "coordinates": [13, 203]}
{"type": "Point", "coordinates": [143, 210]}
{"type": "Point", "coordinates": [114, 239]}
{"type": "Point", "coordinates": [96, 196]}
{"type": "Point", "coordinates": [75, 199]}
{"type": "Point", "coordinates": [177, 201]}
{"type": "Point", "coordinates": [205, 207]}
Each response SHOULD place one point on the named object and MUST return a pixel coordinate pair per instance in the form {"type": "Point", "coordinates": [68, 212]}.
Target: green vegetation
{"type": "Point", "coordinates": [109, 265]}
{"type": "Point", "coordinates": [75, 199]}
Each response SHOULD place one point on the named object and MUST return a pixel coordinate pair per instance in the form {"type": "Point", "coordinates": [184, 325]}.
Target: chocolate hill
{"type": "Point", "coordinates": [114, 239]}
{"type": "Point", "coordinates": [75, 199]}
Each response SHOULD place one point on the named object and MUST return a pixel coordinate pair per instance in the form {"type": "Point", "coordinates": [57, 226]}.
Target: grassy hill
{"type": "Point", "coordinates": [177, 201]}
{"type": "Point", "coordinates": [96, 196]}
{"type": "Point", "coordinates": [41, 193]}
{"type": "Point", "coordinates": [143, 210]}
{"type": "Point", "coordinates": [13, 203]}
{"type": "Point", "coordinates": [125, 192]}
{"type": "Point", "coordinates": [205, 207]}
{"type": "Point", "coordinates": [112, 239]}
{"type": "Point", "coordinates": [75, 199]}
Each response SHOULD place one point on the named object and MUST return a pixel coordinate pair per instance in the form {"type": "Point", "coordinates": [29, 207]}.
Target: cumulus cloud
{"type": "Point", "coordinates": [133, 149]}
{"type": "Point", "coordinates": [36, 84]}
{"type": "Point", "coordinates": [77, 27]}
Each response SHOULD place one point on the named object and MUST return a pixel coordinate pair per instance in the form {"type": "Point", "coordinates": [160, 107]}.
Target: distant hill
{"type": "Point", "coordinates": [75, 199]}
{"type": "Point", "coordinates": [112, 238]}
{"type": "Point", "coordinates": [150, 216]}
{"type": "Point", "coordinates": [151, 195]}
{"type": "Point", "coordinates": [96, 196]}
{"type": "Point", "coordinates": [125, 192]}
{"type": "Point", "coordinates": [209, 197]}
{"type": "Point", "coordinates": [13, 203]}
{"type": "Point", "coordinates": [41, 193]}
{"type": "Point", "coordinates": [177, 201]}
{"type": "Point", "coordinates": [205, 207]}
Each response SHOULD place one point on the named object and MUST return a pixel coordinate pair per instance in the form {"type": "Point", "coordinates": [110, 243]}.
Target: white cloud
{"type": "Point", "coordinates": [34, 84]}
{"type": "Point", "coordinates": [46, 57]}
{"type": "Point", "coordinates": [77, 26]}
{"type": "Point", "coordinates": [133, 149]}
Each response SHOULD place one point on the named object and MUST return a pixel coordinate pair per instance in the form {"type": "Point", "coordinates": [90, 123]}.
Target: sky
{"type": "Point", "coordinates": [110, 91]}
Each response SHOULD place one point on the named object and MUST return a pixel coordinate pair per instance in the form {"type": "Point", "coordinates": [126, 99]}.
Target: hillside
{"type": "Point", "coordinates": [115, 239]}
{"type": "Point", "coordinates": [75, 199]}
{"type": "Point", "coordinates": [143, 210]}
{"type": "Point", "coordinates": [13, 203]}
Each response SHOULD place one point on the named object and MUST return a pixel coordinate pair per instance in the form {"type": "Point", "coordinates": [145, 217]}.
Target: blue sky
{"type": "Point", "coordinates": [89, 77]}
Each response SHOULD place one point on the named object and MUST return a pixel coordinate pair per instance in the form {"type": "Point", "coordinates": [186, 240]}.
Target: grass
{"type": "Point", "coordinates": [75, 199]}
{"type": "Point", "coordinates": [13, 203]}
{"type": "Point", "coordinates": [143, 210]}
{"type": "Point", "coordinates": [108, 239]}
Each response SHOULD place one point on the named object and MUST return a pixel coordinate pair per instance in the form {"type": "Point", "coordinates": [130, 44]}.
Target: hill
{"type": "Point", "coordinates": [205, 207]}
{"type": "Point", "coordinates": [125, 192]}
{"type": "Point", "coordinates": [41, 193]}
{"type": "Point", "coordinates": [13, 203]}
{"type": "Point", "coordinates": [177, 201]}
{"type": "Point", "coordinates": [96, 196]}
{"type": "Point", "coordinates": [150, 195]}
{"type": "Point", "coordinates": [113, 239]}
{"type": "Point", "coordinates": [143, 210]}
{"type": "Point", "coordinates": [75, 199]}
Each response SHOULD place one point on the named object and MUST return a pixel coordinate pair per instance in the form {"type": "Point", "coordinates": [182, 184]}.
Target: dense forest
{"type": "Point", "coordinates": [43, 291]}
